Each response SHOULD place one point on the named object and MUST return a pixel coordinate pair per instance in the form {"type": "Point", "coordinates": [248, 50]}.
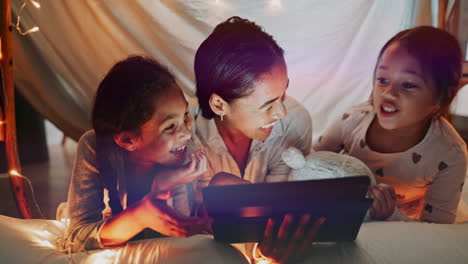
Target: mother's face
{"type": "Point", "coordinates": [254, 115]}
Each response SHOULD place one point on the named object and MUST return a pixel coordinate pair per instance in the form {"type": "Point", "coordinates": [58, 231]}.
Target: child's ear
{"type": "Point", "coordinates": [218, 105]}
{"type": "Point", "coordinates": [127, 140]}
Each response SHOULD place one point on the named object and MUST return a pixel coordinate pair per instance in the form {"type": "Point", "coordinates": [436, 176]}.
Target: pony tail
{"type": "Point", "coordinates": [110, 162]}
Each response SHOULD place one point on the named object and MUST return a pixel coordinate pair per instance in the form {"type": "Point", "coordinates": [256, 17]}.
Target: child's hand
{"type": "Point", "coordinates": [169, 178]}
{"type": "Point", "coordinates": [384, 201]}
{"type": "Point", "coordinates": [155, 214]}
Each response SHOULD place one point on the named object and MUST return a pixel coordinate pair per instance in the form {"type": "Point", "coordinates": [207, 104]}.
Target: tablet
{"type": "Point", "coordinates": [240, 212]}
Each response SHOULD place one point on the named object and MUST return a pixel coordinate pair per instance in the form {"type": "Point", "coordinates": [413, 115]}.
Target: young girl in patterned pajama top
{"type": "Point", "coordinates": [403, 135]}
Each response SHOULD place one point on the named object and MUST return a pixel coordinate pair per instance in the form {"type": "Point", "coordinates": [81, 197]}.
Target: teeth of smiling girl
{"type": "Point", "coordinates": [269, 125]}
{"type": "Point", "coordinates": [179, 149]}
{"type": "Point", "coordinates": [389, 109]}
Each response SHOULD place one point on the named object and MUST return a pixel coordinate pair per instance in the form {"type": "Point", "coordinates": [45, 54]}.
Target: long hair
{"type": "Point", "coordinates": [124, 102]}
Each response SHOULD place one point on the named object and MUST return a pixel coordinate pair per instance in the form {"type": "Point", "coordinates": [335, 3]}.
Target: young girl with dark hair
{"type": "Point", "coordinates": [130, 163]}
{"type": "Point", "coordinates": [403, 134]}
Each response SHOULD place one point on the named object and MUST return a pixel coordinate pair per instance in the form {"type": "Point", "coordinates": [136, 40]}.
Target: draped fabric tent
{"type": "Point", "coordinates": [331, 47]}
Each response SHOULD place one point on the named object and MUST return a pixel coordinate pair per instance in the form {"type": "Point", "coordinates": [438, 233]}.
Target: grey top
{"type": "Point", "coordinates": [88, 200]}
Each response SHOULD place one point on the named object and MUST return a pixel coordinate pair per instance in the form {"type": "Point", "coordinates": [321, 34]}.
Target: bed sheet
{"type": "Point", "coordinates": [35, 241]}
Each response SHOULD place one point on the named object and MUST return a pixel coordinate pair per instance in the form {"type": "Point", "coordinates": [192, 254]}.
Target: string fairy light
{"type": "Point", "coordinates": [18, 19]}
{"type": "Point", "coordinates": [15, 173]}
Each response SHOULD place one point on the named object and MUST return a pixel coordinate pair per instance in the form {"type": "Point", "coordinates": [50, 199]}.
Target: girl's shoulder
{"type": "Point", "coordinates": [88, 136]}
{"type": "Point", "coordinates": [445, 136]}
{"type": "Point", "coordinates": [356, 116]}
{"type": "Point", "coordinates": [87, 142]}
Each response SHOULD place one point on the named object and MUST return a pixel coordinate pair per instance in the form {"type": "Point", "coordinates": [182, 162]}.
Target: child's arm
{"type": "Point", "coordinates": [443, 194]}
{"type": "Point", "coordinates": [88, 230]}
{"type": "Point", "coordinates": [85, 199]}
{"type": "Point", "coordinates": [151, 212]}
{"type": "Point", "coordinates": [332, 138]}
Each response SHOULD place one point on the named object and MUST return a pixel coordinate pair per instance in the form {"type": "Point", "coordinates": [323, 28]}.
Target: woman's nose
{"type": "Point", "coordinates": [280, 110]}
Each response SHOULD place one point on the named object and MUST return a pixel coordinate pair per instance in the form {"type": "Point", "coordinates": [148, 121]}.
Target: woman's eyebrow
{"type": "Point", "coordinates": [268, 102]}
{"type": "Point", "coordinates": [274, 99]}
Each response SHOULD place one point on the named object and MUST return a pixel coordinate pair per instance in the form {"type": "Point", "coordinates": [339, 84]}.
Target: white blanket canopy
{"type": "Point", "coordinates": [331, 47]}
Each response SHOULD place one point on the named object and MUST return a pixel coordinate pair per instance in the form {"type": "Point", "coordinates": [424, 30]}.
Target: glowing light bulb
{"type": "Point", "coordinates": [14, 172]}
{"type": "Point", "coordinates": [35, 3]}
{"type": "Point", "coordinates": [34, 29]}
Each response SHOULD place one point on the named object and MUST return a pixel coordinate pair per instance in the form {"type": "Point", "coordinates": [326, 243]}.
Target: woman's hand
{"type": "Point", "coordinates": [154, 213]}
{"type": "Point", "coordinates": [384, 201]}
{"type": "Point", "coordinates": [290, 242]}
{"type": "Point", "coordinates": [167, 179]}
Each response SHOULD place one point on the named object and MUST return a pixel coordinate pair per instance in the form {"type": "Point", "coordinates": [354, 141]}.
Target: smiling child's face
{"type": "Point", "coordinates": [163, 139]}
{"type": "Point", "coordinates": [403, 95]}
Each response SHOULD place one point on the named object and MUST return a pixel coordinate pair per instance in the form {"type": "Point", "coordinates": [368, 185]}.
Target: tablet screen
{"type": "Point", "coordinates": [240, 212]}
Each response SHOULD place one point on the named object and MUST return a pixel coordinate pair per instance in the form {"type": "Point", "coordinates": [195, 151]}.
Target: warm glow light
{"type": "Point", "coordinates": [14, 172]}
{"type": "Point", "coordinates": [263, 261]}
{"type": "Point", "coordinates": [102, 257]}
{"type": "Point", "coordinates": [65, 220]}
{"type": "Point", "coordinates": [18, 19]}
{"type": "Point", "coordinates": [1, 57]}
{"type": "Point", "coordinates": [34, 29]}
{"type": "Point", "coordinates": [46, 243]}
{"type": "Point", "coordinates": [36, 4]}
{"type": "Point", "coordinates": [43, 233]}
{"type": "Point", "coordinates": [1, 121]}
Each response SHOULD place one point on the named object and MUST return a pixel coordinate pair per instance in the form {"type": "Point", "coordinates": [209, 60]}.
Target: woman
{"type": "Point", "coordinates": [247, 121]}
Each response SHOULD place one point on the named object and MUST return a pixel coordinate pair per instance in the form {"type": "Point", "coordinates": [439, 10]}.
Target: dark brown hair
{"type": "Point", "coordinates": [236, 54]}
{"type": "Point", "coordinates": [124, 102]}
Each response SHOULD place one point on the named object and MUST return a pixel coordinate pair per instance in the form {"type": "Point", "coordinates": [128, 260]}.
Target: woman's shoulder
{"type": "Point", "coordinates": [297, 116]}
